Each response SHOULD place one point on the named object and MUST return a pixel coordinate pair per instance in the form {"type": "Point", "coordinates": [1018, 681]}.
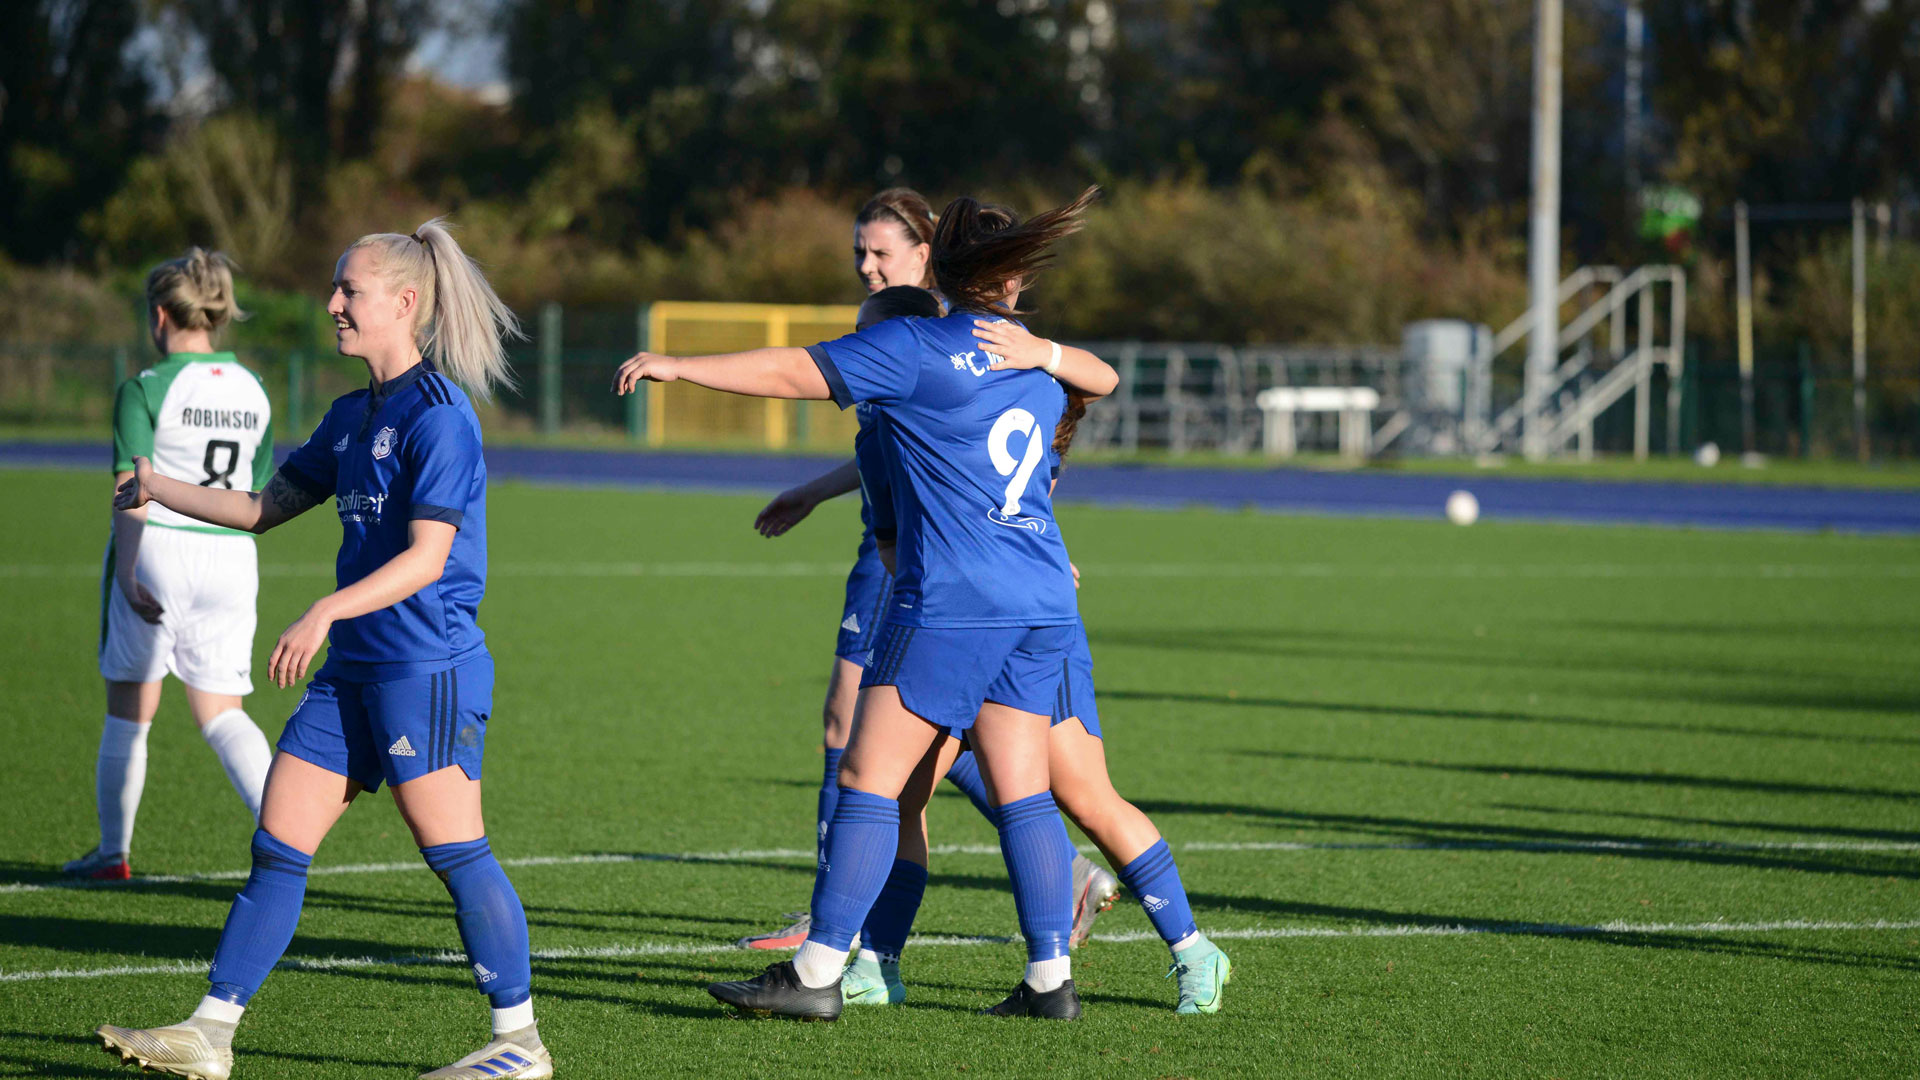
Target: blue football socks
{"type": "Point", "coordinates": [1039, 857]}
{"type": "Point", "coordinates": [965, 775]}
{"type": "Point", "coordinates": [891, 919]}
{"type": "Point", "coordinates": [493, 925]}
{"type": "Point", "coordinates": [261, 922]}
{"type": "Point", "coordinates": [829, 798]}
{"type": "Point", "coordinates": [861, 842]}
{"type": "Point", "coordinates": [1153, 878]}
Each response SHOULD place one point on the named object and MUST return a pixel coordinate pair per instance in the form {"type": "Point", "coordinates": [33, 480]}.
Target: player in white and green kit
{"type": "Point", "coordinates": [178, 595]}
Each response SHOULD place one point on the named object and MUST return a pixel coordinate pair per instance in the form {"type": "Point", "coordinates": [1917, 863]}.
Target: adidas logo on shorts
{"type": "Point", "coordinates": [481, 973]}
{"type": "Point", "coordinates": [1152, 902]}
{"type": "Point", "coordinates": [401, 748]}
{"type": "Point", "coordinates": [852, 622]}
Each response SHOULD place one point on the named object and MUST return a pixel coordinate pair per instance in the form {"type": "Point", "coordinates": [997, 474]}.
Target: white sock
{"type": "Point", "coordinates": [1045, 975]}
{"type": "Point", "coordinates": [213, 1008]}
{"type": "Point", "coordinates": [1186, 943]}
{"type": "Point", "coordinates": [119, 777]}
{"type": "Point", "coordinates": [243, 751]}
{"type": "Point", "coordinates": [818, 965]}
{"type": "Point", "coordinates": [513, 1018]}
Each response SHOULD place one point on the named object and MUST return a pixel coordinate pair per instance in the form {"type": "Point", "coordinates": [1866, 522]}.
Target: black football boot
{"type": "Point", "coordinates": [1062, 1003]}
{"type": "Point", "coordinates": [778, 991]}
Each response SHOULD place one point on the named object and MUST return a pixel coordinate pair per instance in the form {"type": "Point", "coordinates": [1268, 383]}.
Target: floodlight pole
{"type": "Point", "coordinates": [1860, 330]}
{"type": "Point", "coordinates": [1543, 248]}
{"type": "Point", "coordinates": [1635, 75]}
{"type": "Point", "coordinates": [1743, 309]}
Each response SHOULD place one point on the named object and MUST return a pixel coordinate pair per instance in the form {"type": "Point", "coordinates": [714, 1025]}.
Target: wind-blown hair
{"type": "Point", "coordinates": [978, 248]}
{"type": "Point", "coordinates": [462, 325]}
{"type": "Point", "coordinates": [195, 290]}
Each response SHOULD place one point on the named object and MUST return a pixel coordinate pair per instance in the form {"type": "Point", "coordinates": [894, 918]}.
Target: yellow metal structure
{"type": "Point", "coordinates": [677, 413]}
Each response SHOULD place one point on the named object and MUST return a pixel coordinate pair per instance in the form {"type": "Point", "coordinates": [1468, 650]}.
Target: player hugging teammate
{"type": "Point", "coordinates": [982, 624]}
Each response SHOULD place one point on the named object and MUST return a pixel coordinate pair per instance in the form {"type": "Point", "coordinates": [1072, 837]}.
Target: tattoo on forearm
{"type": "Point", "coordinates": [287, 499]}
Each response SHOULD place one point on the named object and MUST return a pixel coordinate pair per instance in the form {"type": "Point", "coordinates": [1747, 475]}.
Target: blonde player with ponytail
{"type": "Point", "coordinates": [407, 688]}
{"type": "Point", "coordinates": [176, 595]}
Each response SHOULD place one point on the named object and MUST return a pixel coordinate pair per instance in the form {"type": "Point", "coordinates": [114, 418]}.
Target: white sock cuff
{"type": "Point", "coordinates": [1187, 942]}
{"type": "Point", "coordinates": [1047, 975]}
{"type": "Point", "coordinates": [818, 965]}
{"type": "Point", "coordinates": [220, 721]}
{"type": "Point", "coordinates": [513, 1018]}
{"type": "Point", "coordinates": [123, 738]}
{"type": "Point", "coordinates": [213, 1008]}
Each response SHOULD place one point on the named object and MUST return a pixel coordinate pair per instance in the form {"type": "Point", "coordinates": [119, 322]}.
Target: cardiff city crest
{"type": "Point", "coordinates": [382, 443]}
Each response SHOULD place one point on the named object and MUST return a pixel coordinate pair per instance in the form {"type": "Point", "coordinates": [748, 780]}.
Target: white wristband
{"type": "Point", "coordinates": [1053, 364]}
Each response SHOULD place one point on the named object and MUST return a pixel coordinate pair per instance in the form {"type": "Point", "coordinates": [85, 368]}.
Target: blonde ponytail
{"type": "Point", "coordinates": [195, 290]}
{"type": "Point", "coordinates": [463, 324]}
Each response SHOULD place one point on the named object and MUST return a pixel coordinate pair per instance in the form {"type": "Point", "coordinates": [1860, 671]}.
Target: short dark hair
{"type": "Point", "coordinates": [896, 301]}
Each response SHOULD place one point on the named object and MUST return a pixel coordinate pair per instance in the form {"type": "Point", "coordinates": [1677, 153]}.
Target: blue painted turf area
{"type": "Point", "coordinates": [1725, 505]}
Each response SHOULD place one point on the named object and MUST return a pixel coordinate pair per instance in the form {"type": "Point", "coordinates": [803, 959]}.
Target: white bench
{"type": "Point", "coordinates": [1355, 404]}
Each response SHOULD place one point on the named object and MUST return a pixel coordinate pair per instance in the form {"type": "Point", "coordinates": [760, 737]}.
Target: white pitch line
{"type": "Point", "coordinates": [1267, 933]}
{"type": "Point", "coordinates": [797, 854]}
{"type": "Point", "coordinates": [1470, 571]}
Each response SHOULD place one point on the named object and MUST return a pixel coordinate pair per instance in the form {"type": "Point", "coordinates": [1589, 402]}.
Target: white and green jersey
{"type": "Point", "coordinates": [201, 418]}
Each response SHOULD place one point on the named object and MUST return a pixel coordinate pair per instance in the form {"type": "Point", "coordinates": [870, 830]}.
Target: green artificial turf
{"type": "Point", "coordinates": [1406, 769]}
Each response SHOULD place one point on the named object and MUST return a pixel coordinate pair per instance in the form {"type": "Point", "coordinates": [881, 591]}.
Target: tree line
{"type": "Point", "coordinates": [1317, 168]}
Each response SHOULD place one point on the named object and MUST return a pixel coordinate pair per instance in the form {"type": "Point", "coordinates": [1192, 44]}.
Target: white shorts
{"type": "Point", "coordinates": [206, 584]}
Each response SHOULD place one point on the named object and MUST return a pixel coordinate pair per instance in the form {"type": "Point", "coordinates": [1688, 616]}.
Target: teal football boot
{"type": "Point", "coordinates": [872, 982]}
{"type": "Point", "coordinates": [1204, 972]}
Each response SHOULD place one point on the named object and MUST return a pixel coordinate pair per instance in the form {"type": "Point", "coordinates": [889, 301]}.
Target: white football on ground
{"type": "Point", "coordinates": [1463, 508]}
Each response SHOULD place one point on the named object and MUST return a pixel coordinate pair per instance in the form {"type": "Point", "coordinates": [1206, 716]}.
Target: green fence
{"type": "Point", "coordinates": [1803, 402]}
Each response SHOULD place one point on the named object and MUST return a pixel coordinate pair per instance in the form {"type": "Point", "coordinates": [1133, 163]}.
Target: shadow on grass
{"type": "Point", "coordinates": [1496, 716]}
{"type": "Point", "coordinates": [1890, 835]}
{"type": "Point", "coordinates": [46, 1066]}
{"type": "Point", "coordinates": [1612, 776]}
{"type": "Point", "coordinates": [1795, 631]}
{"type": "Point", "coordinates": [546, 916]}
{"type": "Point", "coordinates": [1677, 939]}
{"type": "Point", "coordinates": [1475, 835]}
{"type": "Point", "coordinates": [242, 1051]}
{"type": "Point", "coordinates": [1761, 684]}
{"type": "Point", "coordinates": [158, 941]}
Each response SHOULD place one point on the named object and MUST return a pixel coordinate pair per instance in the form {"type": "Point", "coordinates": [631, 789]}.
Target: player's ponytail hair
{"type": "Point", "coordinates": [978, 248]}
{"type": "Point", "coordinates": [462, 323]}
{"type": "Point", "coordinates": [195, 290]}
{"type": "Point", "coordinates": [908, 209]}
{"type": "Point", "coordinates": [1069, 424]}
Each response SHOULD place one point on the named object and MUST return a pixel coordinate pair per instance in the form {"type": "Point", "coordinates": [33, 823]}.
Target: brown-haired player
{"type": "Point", "coordinates": [892, 256]}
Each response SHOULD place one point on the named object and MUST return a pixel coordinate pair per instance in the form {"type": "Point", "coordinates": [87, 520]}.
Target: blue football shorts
{"type": "Point", "coordinates": [1075, 698]}
{"type": "Point", "coordinates": [944, 674]}
{"type": "Point", "coordinates": [394, 731]}
{"type": "Point", "coordinates": [869, 588]}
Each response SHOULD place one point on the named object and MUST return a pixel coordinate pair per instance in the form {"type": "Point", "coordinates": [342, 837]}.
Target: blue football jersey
{"type": "Point", "coordinates": [964, 446]}
{"type": "Point", "coordinates": [406, 450]}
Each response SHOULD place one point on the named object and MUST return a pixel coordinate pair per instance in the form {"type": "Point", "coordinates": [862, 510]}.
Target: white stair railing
{"type": "Point", "coordinates": [1570, 414]}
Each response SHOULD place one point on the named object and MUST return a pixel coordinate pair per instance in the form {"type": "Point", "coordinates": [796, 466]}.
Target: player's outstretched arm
{"type": "Point", "coordinates": [420, 565]}
{"type": "Point", "coordinates": [249, 511]}
{"type": "Point", "coordinates": [1018, 347]}
{"type": "Point", "coordinates": [791, 507]}
{"type": "Point", "coordinates": [768, 373]}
